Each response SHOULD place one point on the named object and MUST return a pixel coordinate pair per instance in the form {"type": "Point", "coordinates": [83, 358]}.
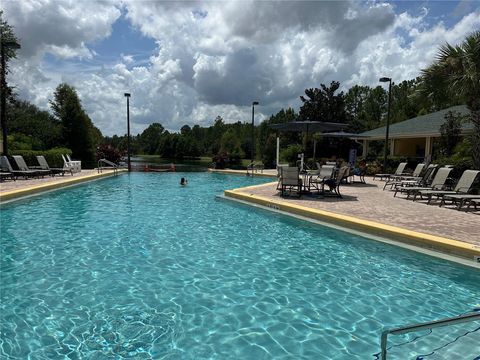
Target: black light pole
{"type": "Point", "coordinates": [127, 95]}
{"type": "Point", "coordinates": [389, 80]}
{"type": "Point", "coordinates": [3, 95]}
{"type": "Point", "coordinates": [253, 130]}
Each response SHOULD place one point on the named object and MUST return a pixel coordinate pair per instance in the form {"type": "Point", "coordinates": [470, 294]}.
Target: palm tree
{"type": "Point", "coordinates": [456, 72]}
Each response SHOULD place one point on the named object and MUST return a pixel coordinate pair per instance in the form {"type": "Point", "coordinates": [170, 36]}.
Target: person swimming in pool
{"type": "Point", "coordinates": [183, 181]}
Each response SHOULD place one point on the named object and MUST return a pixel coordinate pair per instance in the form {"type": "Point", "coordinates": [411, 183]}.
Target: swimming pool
{"type": "Point", "coordinates": [137, 266]}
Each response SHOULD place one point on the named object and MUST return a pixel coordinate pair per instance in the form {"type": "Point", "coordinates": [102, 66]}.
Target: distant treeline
{"type": "Point", "coordinates": [361, 107]}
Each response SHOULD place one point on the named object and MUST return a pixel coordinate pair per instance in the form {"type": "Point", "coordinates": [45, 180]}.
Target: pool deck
{"type": "Point", "coordinates": [10, 190]}
{"type": "Point", "coordinates": [367, 208]}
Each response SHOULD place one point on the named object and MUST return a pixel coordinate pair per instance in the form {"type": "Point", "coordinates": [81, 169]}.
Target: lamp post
{"type": "Point", "coordinates": [253, 130]}
{"type": "Point", "coordinates": [389, 80]}
{"type": "Point", "coordinates": [127, 95]}
{"type": "Point", "coordinates": [3, 95]}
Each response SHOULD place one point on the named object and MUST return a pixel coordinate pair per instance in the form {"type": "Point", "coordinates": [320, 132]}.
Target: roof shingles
{"type": "Point", "coordinates": [425, 125]}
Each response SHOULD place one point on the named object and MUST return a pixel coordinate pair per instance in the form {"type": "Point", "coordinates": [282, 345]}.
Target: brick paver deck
{"type": "Point", "coordinates": [368, 201]}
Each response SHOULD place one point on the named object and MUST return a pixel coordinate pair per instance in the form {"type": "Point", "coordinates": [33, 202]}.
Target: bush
{"type": "Point", "coordinates": [220, 160]}
{"type": "Point", "coordinates": [53, 156]}
{"type": "Point", "coordinates": [109, 152]}
{"type": "Point", "coordinates": [290, 154]}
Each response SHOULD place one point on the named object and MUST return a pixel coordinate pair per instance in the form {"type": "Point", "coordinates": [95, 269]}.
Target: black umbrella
{"type": "Point", "coordinates": [308, 126]}
{"type": "Point", "coordinates": [343, 134]}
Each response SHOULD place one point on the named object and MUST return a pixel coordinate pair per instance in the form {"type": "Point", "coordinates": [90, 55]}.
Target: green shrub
{"type": "Point", "coordinates": [290, 154]}
{"type": "Point", "coordinates": [53, 156]}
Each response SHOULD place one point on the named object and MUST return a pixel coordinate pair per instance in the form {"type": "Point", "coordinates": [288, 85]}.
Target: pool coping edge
{"type": "Point", "coordinates": [38, 189]}
{"type": "Point", "coordinates": [416, 239]}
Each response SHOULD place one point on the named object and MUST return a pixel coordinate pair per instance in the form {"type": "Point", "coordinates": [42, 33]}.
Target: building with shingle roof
{"type": "Point", "coordinates": [414, 137]}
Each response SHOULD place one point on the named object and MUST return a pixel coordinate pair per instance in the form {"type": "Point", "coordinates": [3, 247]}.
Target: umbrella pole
{"type": "Point", "coordinates": [278, 150]}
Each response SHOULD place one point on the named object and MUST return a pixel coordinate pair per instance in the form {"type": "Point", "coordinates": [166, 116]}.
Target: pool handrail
{"type": "Point", "coordinates": [107, 162]}
{"type": "Point", "coordinates": [471, 316]}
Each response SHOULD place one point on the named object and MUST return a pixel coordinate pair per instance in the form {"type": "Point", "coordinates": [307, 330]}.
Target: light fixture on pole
{"type": "Point", "coordinates": [127, 95]}
{"type": "Point", "coordinates": [389, 80]}
{"type": "Point", "coordinates": [253, 130]}
{"type": "Point", "coordinates": [3, 95]}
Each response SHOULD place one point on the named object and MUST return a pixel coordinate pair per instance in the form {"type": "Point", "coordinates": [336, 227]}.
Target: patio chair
{"type": "Point", "coordinates": [396, 179]}
{"type": "Point", "coordinates": [4, 175]}
{"type": "Point", "coordinates": [463, 186]}
{"type": "Point", "coordinates": [7, 167]}
{"type": "Point", "coordinates": [22, 165]}
{"type": "Point", "coordinates": [279, 175]}
{"type": "Point", "coordinates": [74, 166]}
{"type": "Point", "coordinates": [290, 180]}
{"type": "Point", "coordinates": [474, 202]}
{"type": "Point", "coordinates": [44, 166]}
{"type": "Point", "coordinates": [334, 184]}
{"type": "Point", "coordinates": [360, 172]}
{"type": "Point", "coordinates": [438, 183]}
{"type": "Point", "coordinates": [459, 200]}
{"type": "Point", "coordinates": [316, 171]}
{"type": "Point", "coordinates": [317, 182]}
{"type": "Point", "coordinates": [398, 172]}
{"type": "Point", "coordinates": [424, 181]}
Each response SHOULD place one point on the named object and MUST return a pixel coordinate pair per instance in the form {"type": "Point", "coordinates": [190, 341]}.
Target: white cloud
{"type": "Point", "coordinates": [215, 58]}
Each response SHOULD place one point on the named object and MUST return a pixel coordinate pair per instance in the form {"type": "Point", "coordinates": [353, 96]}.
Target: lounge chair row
{"type": "Point", "coordinates": [42, 169]}
{"type": "Point", "coordinates": [433, 186]}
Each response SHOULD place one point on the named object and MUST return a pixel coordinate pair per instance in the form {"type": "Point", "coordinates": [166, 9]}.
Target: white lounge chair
{"type": "Point", "coordinates": [74, 166]}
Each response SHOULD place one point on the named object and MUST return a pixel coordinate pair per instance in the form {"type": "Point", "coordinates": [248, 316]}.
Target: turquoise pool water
{"type": "Point", "coordinates": [139, 267]}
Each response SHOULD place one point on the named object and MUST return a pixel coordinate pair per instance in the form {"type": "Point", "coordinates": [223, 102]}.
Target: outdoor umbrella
{"type": "Point", "coordinates": [343, 134]}
{"type": "Point", "coordinates": [308, 126]}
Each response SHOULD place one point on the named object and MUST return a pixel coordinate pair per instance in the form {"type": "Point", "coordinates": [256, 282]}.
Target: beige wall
{"type": "Point", "coordinates": [410, 147]}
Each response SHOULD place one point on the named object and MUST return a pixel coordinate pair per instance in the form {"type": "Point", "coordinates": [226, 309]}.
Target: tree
{"type": "Point", "coordinates": [456, 70]}
{"type": "Point", "coordinates": [323, 104]}
{"type": "Point", "coordinates": [450, 133]}
{"type": "Point", "coordinates": [8, 52]}
{"type": "Point", "coordinates": [40, 125]}
{"type": "Point", "coordinates": [150, 138]}
{"type": "Point", "coordinates": [230, 144]}
{"type": "Point", "coordinates": [77, 128]}
{"type": "Point", "coordinates": [365, 107]}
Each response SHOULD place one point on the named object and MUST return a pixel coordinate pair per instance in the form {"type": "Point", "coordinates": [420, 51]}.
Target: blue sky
{"type": "Point", "coordinates": [188, 62]}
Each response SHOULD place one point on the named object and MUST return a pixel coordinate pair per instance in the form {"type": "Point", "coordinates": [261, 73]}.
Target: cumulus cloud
{"type": "Point", "coordinates": [61, 27]}
{"type": "Point", "coordinates": [215, 58]}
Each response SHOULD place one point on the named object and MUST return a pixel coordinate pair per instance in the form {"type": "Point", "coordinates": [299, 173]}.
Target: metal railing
{"type": "Point", "coordinates": [473, 316]}
{"type": "Point", "coordinates": [110, 165]}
